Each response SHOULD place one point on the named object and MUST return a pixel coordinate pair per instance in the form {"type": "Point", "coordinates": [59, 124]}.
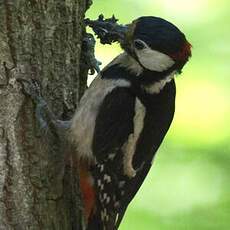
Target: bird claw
{"type": "Point", "coordinates": [31, 88]}
{"type": "Point", "coordinates": [95, 66]}
{"type": "Point", "coordinates": [88, 54]}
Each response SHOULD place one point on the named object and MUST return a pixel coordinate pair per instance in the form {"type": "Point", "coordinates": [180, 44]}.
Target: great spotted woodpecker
{"type": "Point", "coordinates": [124, 116]}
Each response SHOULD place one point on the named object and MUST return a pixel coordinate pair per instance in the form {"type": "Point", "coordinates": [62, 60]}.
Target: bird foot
{"type": "Point", "coordinates": [88, 54]}
{"type": "Point", "coordinates": [32, 88]}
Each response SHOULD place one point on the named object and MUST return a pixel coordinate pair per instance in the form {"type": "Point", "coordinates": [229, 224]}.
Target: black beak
{"type": "Point", "coordinates": [108, 30]}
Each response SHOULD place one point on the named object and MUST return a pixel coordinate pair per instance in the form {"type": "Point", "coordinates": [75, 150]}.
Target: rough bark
{"type": "Point", "coordinates": [39, 39]}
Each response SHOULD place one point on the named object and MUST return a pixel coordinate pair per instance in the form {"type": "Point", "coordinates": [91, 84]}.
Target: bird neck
{"type": "Point", "coordinates": [128, 68]}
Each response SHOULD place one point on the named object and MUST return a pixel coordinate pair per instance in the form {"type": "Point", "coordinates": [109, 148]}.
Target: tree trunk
{"type": "Point", "coordinates": [40, 40]}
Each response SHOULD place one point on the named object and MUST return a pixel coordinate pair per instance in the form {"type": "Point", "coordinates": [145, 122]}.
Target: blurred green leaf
{"type": "Point", "coordinates": [188, 186]}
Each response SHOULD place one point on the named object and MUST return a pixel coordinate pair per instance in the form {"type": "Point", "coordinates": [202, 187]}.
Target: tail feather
{"type": "Point", "coordinates": [97, 223]}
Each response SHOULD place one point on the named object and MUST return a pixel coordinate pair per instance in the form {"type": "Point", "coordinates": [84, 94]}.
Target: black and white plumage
{"type": "Point", "coordinates": [125, 114]}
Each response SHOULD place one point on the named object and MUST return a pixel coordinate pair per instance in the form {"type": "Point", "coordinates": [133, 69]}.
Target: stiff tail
{"type": "Point", "coordinates": [95, 222]}
{"type": "Point", "coordinates": [98, 222]}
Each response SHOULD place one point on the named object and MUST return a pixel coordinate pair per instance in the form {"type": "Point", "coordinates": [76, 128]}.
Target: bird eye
{"type": "Point", "coordinates": [139, 44]}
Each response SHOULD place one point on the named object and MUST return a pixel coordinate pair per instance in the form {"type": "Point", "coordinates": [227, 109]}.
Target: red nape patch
{"type": "Point", "coordinates": [87, 191]}
{"type": "Point", "coordinates": [183, 54]}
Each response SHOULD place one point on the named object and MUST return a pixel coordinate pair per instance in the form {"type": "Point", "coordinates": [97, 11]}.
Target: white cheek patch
{"type": "Point", "coordinates": [154, 60]}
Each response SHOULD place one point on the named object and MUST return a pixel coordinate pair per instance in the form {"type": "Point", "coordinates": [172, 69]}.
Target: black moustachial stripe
{"type": "Point", "coordinates": [147, 77]}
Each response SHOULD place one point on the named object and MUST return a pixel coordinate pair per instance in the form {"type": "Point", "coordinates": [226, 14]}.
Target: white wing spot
{"type": "Point", "coordinates": [98, 182]}
{"type": "Point", "coordinates": [104, 196]}
{"type": "Point", "coordinates": [107, 200]}
{"type": "Point", "coordinates": [101, 167]}
{"type": "Point", "coordinates": [107, 178]}
{"type": "Point", "coordinates": [121, 184]}
{"type": "Point", "coordinates": [100, 185]}
{"type": "Point", "coordinates": [104, 215]}
{"type": "Point", "coordinates": [107, 218]}
{"type": "Point", "coordinates": [111, 156]}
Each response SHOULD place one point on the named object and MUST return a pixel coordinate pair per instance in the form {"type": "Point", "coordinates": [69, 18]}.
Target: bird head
{"type": "Point", "coordinates": [156, 44]}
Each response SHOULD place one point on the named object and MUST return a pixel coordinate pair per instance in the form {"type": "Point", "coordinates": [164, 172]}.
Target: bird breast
{"type": "Point", "coordinates": [83, 122]}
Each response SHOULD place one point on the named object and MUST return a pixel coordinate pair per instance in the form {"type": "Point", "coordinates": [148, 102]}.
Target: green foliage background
{"type": "Point", "coordinates": [188, 186]}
